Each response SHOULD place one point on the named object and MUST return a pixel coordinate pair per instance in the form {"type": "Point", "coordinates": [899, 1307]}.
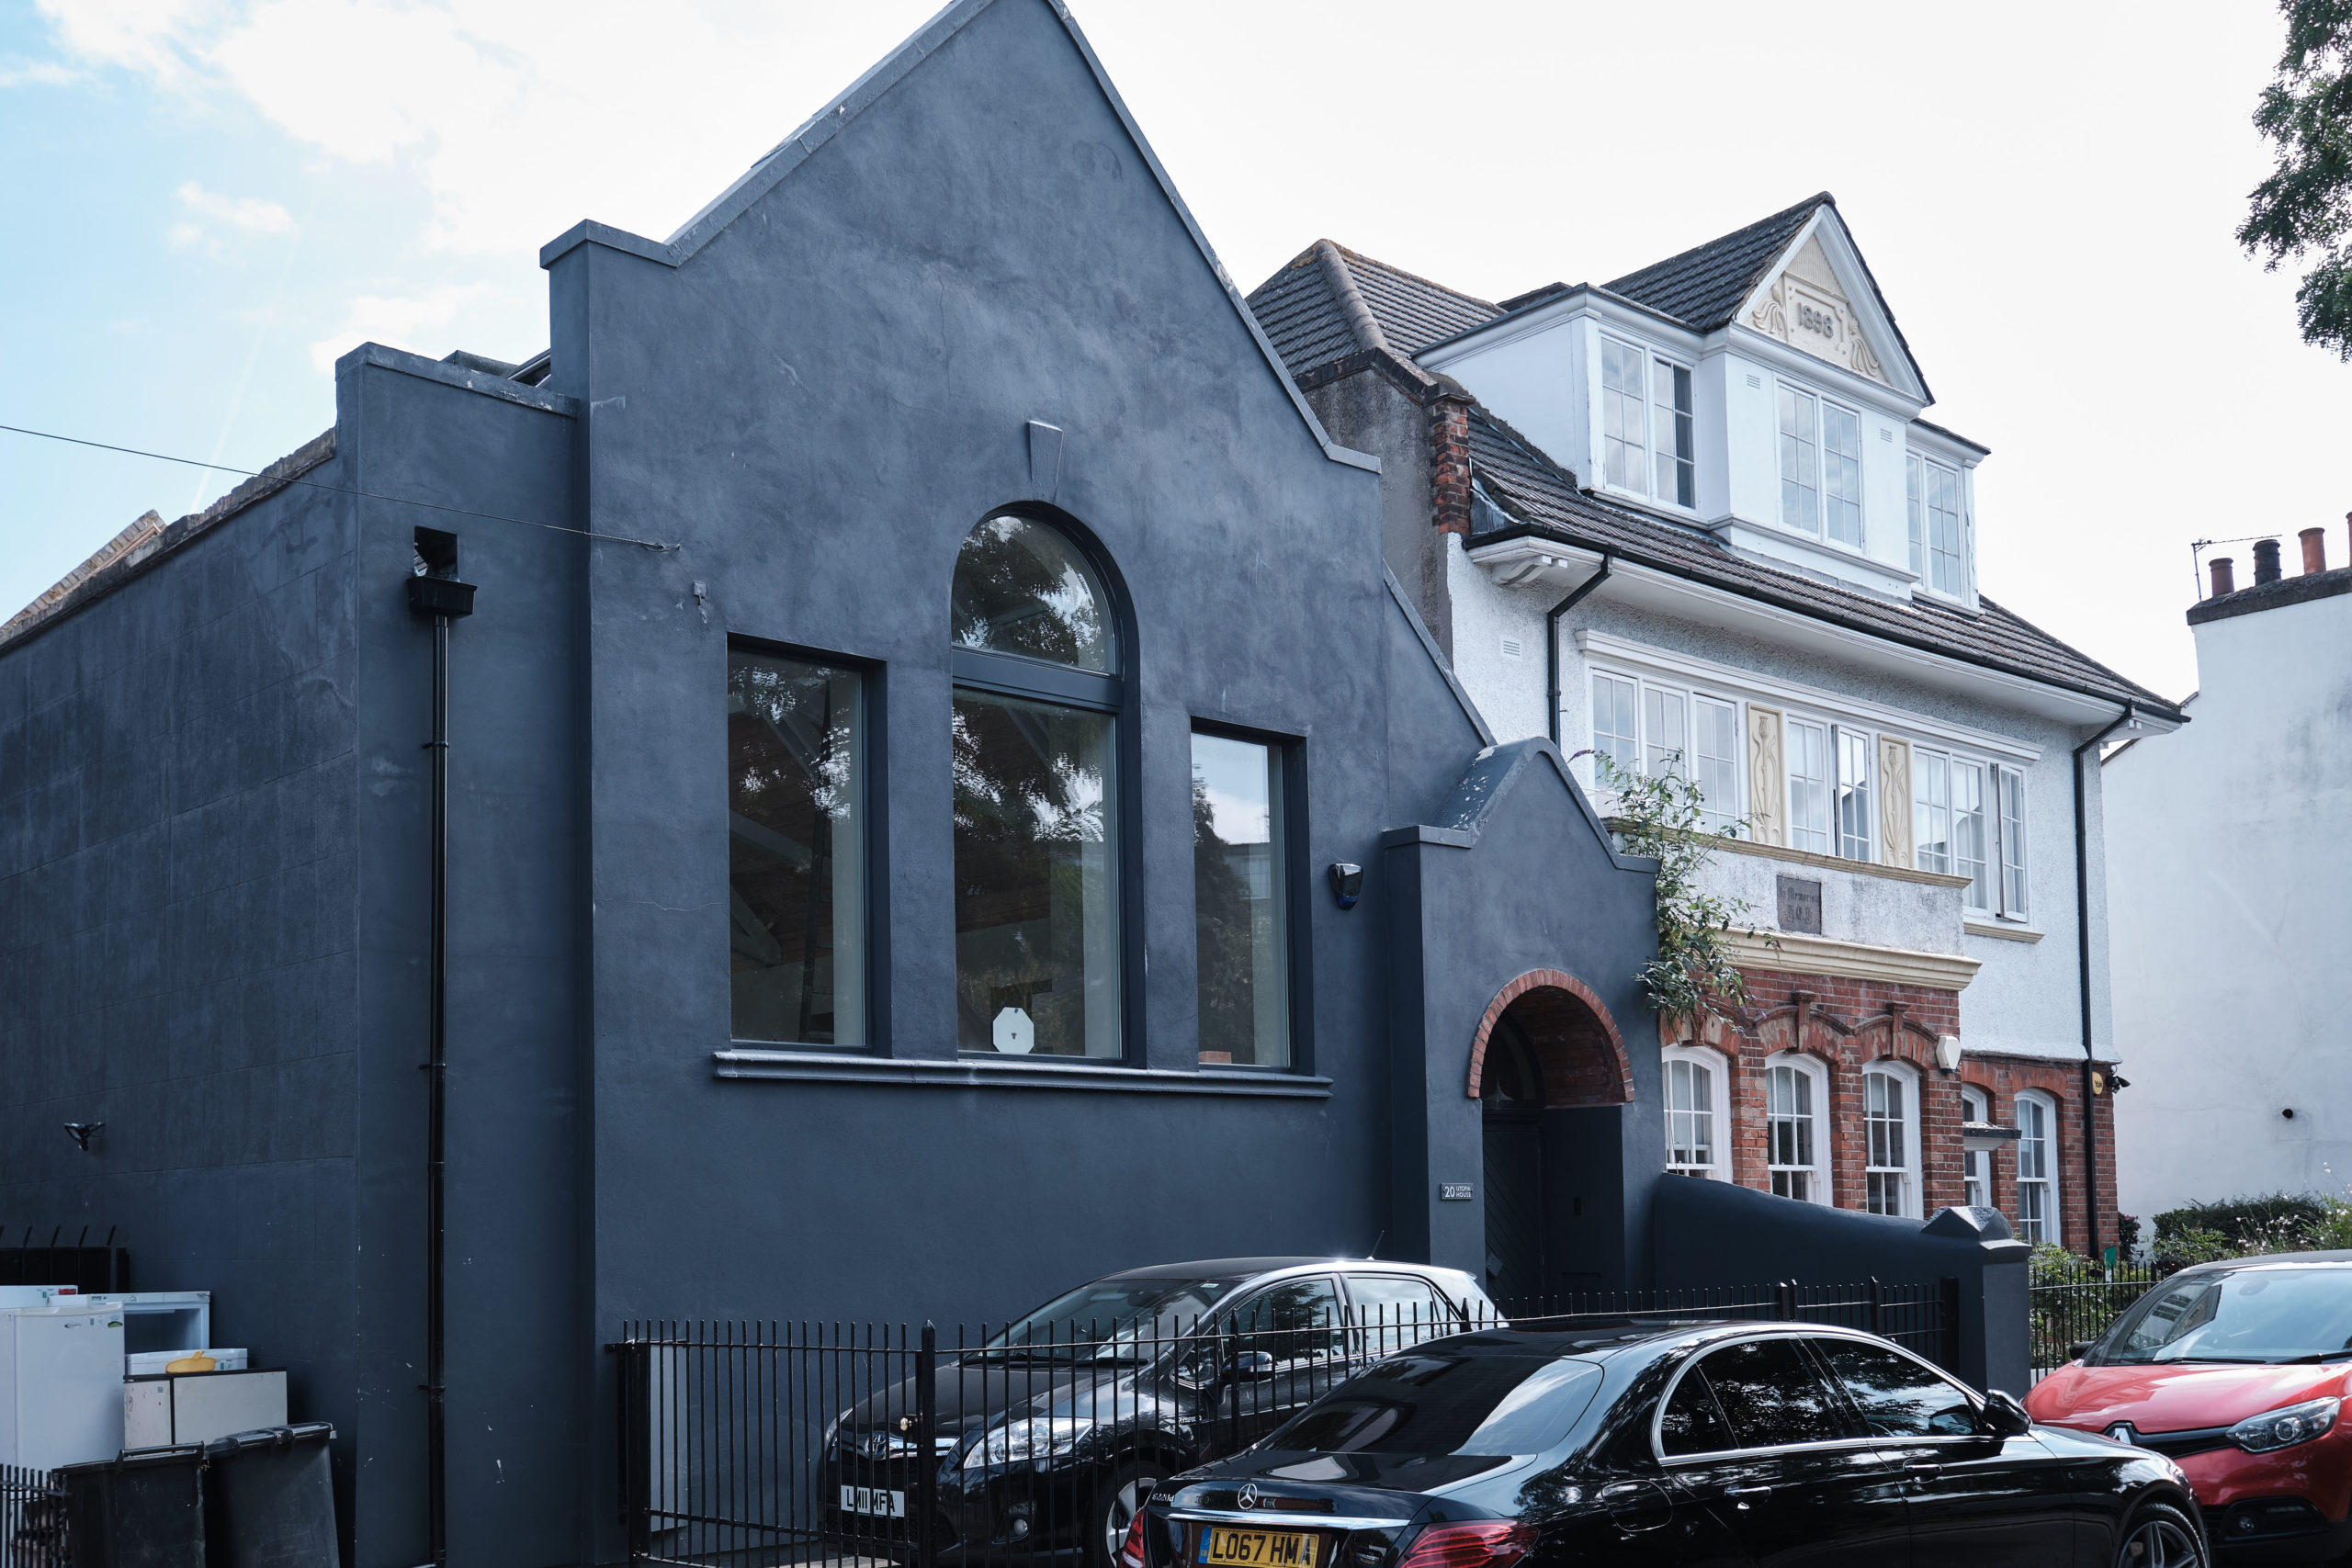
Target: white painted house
{"type": "Point", "coordinates": [2233, 938]}
{"type": "Point", "coordinates": [1693, 518]}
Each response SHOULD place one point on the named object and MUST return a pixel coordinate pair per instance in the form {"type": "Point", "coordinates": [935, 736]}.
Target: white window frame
{"type": "Point", "coordinates": [1817, 1174]}
{"type": "Point", "coordinates": [1862, 525]}
{"type": "Point", "coordinates": [1825, 782]}
{"type": "Point", "coordinates": [1650, 748]}
{"type": "Point", "coordinates": [1903, 1129]}
{"type": "Point", "coordinates": [1633, 741]}
{"type": "Point", "coordinates": [1915, 501]}
{"type": "Point", "coordinates": [1643, 467]}
{"type": "Point", "coordinates": [1665, 753]}
{"type": "Point", "coordinates": [1845, 845]}
{"type": "Point", "coordinates": [2049, 1223]}
{"type": "Point", "coordinates": [1698, 1058]}
{"type": "Point", "coordinates": [1815, 477]}
{"type": "Point", "coordinates": [2006, 882]}
{"type": "Point", "coordinates": [1975, 1166]}
{"type": "Point", "coordinates": [1924, 552]}
{"type": "Point", "coordinates": [1729, 814]}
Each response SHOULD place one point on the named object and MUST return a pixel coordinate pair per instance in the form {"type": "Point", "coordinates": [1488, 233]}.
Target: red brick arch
{"type": "Point", "coordinates": [1578, 1044]}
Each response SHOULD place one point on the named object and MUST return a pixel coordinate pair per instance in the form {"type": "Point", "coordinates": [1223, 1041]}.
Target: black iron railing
{"type": "Point", "coordinates": [32, 1520]}
{"type": "Point", "coordinates": [748, 1444]}
{"type": "Point", "coordinates": [2064, 1315]}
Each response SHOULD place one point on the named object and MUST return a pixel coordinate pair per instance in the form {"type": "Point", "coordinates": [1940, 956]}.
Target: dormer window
{"type": "Point", "coordinates": [1647, 445]}
{"type": "Point", "coordinates": [1821, 466]}
{"type": "Point", "coordinates": [1934, 492]}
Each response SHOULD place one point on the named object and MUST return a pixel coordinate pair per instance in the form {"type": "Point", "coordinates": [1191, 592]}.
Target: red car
{"type": "Point", "coordinates": [2238, 1372]}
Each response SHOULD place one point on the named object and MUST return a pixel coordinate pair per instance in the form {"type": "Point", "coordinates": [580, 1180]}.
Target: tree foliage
{"type": "Point", "coordinates": [1662, 816]}
{"type": "Point", "coordinates": [2305, 207]}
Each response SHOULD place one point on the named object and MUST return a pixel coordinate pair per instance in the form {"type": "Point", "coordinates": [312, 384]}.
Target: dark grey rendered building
{"type": "Point", "coordinates": [928, 671]}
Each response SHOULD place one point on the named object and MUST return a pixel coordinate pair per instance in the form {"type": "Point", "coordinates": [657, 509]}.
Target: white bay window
{"type": "Point", "coordinates": [1648, 444]}
{"type": "Point", "coordinates": [1968, 819]}
{"type": "Point", "coordinates": [1716, 756]}
{"type": "Point", "coordinates": [1808, 750]}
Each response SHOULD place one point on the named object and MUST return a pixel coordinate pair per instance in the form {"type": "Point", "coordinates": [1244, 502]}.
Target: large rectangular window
{"type": "Point", "coordinates": [1036, 879]}
{"type": "Point", "coordinates": [1809, 824]}
{"type": "Point", "coordinates": [1670, 434]}
{"type": "Point", "coordinates": [1800, 461]}
{"type": "Point", "coordinates": [796, 872]}
{"type": "Point", "coordinates": [1853, 793]}
{"type": "Point", "coordinates": [1665, 732]}
{"type": "Point", "coordinates": [1841, 473]}
{"type": "Point", "coordinates": [1717, 757]}
{"type": "Point", "coordinates": [1616, 733]}
{"type": "Point", "coordinates": [1971, 833]}
{"type": "Point", "coordinates": [1239, 902]}
{"type": "Point", "coordinates": [1622, 402]}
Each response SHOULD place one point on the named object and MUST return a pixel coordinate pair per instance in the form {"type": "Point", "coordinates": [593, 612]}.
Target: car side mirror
{"type": "Point", "coordinates": [2080, 1348]}
{"type": "Point", "coordinates": [1253, 1364]}
{"type": "Point", "coordinates": [2004, 1417]}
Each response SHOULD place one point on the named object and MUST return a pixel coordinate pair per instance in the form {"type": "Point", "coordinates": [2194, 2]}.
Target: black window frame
{"type": "Point", "coordinates": [873, 806]}
{"type": "Point", "coordinates": [1299, 948]}
{"type": "Point", "coordinates": [987, 672]}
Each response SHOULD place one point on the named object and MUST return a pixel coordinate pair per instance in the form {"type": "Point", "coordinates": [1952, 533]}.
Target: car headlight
{"type": "Point", "coordinates": [2286, 1427]}
{"type": "Point", "coordinates": [1040, 1437]}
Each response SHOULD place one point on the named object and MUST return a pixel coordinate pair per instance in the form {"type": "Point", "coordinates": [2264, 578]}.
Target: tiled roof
{"type": "Point", "coordinates": [1703, 285]}
{"type": "Point", "coordinates": [1319, 307]}
{"type": "Point", "coordinates": [1541, 498]}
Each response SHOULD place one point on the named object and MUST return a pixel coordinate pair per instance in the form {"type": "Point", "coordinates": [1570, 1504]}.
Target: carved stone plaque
{"type": "Point", "coordinates": [1800, 905]}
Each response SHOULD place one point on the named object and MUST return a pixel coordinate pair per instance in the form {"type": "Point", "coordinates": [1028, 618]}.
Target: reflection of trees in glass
{"type": "Point", "coordinates": [1032, 869]}
{"type": "Point", "coordinates": [1224, 918]}
{"type": "Point", "coordinates": [1771, 1394]}
{"type": "Point", "coordinates": [791, 805]}
{"type": "Point", "coordinates": [1021, 587]}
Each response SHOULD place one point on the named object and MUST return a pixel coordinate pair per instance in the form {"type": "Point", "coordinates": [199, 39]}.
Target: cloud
{"type": "Point", "coordinates": [17, 71]}
{"type": "Point", "coordinates": [249, 213]}
{"type": "Point", "coordinates": [394, 320]}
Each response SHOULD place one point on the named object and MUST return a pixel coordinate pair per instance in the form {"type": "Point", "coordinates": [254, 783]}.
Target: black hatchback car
{"type": "Point", "coordinates": [1755, 1445]}
{"type": "Point", "coordinates": [1043, 1441]}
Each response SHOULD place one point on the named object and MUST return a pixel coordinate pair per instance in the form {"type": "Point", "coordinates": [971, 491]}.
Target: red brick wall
{"type": "Point", "coordinates": [1847, 1024]}
{"type": "Point", "coordinates": [1449, 462]}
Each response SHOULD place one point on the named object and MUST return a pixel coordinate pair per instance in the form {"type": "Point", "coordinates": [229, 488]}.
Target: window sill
{"type": "Point", "coordinates": [810, 1066]}
{"type": "Point", "coordinates": [2003, 930]}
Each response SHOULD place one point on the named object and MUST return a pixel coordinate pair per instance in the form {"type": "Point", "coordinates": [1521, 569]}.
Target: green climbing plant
{"type": "Point", "coordinates": [1663, 815]}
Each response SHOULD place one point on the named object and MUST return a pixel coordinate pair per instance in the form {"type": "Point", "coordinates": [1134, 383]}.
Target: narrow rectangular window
{"type": "Point", "coordinates": [1971, 833]}
{"type": "Point", "coordinates": [1809, 786]}
{"type": "Point", "coordinates": [2012, 803]}
{"type": "Point", "coordinates": [2037, 1207]}
{"type": "Point", "coordinates": [1622, 405]}
{"type": "Point", "coordinates": [1690, 1118]}
{"type": "Point", "coordinates": [1854, 817]}
{"type": "Point", "coordinates": [1886, 1133]}
{"type": "Point", "coordinates": [1975, 1165]}
{"type": "Point", "coordinates": [1716, 758]}
{"type": "Point", "coordinates": [1036, 879]}
{"type": "Point", "coordinates": [1800, 472]}
{"type": "Point", "coordinates": [1930, 810]}
{"type": "Point", "coordinates": [796, 862]}
{"type": "Point", "coordinates": [1239, 902]}
{"type": "Point", "coordinates": [1616, 721]}
{"type": "Point", "coordinates": [1667, 738]}
{"type": "Point", "coordinates": [1841, 473]}
{"type": "Point", "coordinates": [1945, 573]}
{"type": "Point", "coordinates": [1788, 1132]}
{"type": "Point", "coordinates": [1670, 432]}
{"type": "Point", "coordinates": [1914, 506]}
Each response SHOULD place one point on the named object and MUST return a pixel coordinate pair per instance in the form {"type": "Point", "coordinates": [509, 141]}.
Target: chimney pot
{"type": "Point", "coordinates": [2315, 550]}
{"type": "Point", "coordinates": [2265, 562]}
{"type": "Point", "coordinates": [2224, 576]}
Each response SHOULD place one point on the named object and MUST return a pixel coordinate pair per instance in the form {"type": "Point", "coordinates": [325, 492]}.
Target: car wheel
{"type": "Point", "coordinates": [2159, 1534]}
{"type": "Point", "coordinates": [1115, 1509]}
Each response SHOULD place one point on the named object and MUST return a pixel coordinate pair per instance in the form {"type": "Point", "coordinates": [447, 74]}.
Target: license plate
{"type": "Point", "coordinates": [878, 1501]}
{"type": "Point", "coordinates": [1221, 1544]}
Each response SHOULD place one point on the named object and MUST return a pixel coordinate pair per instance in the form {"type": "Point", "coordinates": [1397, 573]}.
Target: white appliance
{"type": "Point", "coordinates": [165, 1320]}
{"type": "Point", "coordinates": [61, 1383]}
{"type": "Point", "coordinates": [33, 1295]}
{"type": "Point", "coordinates": [156, 1363]}
{"type": "Point", "coordinates": [196, 1407]}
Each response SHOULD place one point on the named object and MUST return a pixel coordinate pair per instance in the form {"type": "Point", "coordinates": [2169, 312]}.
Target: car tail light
{"type": "Point", "coordinates": [1131, 1554]}
{"type": "Point", "coordinates": [1481, 1543]}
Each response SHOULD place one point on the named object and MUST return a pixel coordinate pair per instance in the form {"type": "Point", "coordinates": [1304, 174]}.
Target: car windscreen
{"type": "Point", "coordinates": [1431, 1402]}
{"type": "Point", "coordinates": [2240, 1314]}
{"type": "Point", "coordinates": [1112, 1319]}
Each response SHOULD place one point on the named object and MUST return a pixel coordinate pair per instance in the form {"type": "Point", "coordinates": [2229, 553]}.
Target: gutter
{"type": "Point", "coordinates": [1552, 639]}
{"type": "Point", "coordinates": [2129, 717]}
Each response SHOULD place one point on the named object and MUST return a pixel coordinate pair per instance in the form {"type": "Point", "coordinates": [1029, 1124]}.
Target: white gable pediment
{"type": "Point", "coordinates": [1818, 300]}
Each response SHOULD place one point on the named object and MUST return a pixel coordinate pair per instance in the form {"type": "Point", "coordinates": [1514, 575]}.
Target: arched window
{"type": "Point", "coordinates": [2037, 1116]}
{"type": "Point", "coordinates": [1697, 1100]}
{"type": "Point", "coordinates": [1975, 1166]}
{"type": "Point", "coordinates": [1891, 1138]}
{"type": "Point", "coordinates": [1036, 660]}
{"type": "Point", "coordinates": [1796, 1142]}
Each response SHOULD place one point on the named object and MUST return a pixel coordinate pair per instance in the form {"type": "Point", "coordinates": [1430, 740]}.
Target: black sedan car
{"type": "Point", "coordinates": [1042, 1442]}
{"type": "Point", "coordinates": [1746, 1445]}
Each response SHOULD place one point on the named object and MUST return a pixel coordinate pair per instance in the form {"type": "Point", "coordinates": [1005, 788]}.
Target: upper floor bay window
{"type": "Point", "coordinates": [1800, 460]}
{"type": "Point", "coordinates": [1693, 1136]}
{"type": "Point", "coordinates": [2037, 1118]}
{"type": "Point", "coordinates": [1890, 1139]}
{"type": "Point", "coordinates": [1616, 721]}
{"type": "Point", "coordinates": [1037, 835]}
{"type": "Point", "coordinates": [1795, 1153]}
{"type": "Point", "coordinates": [1646, 726]}
{"type": "Point", "coordinates": [796, 871]}
{"type": "Point", "coordinates": [1968, 818]}
{"type": "Point", "coordinates": [1841, 473]}
{"type": "Point", "coordinates": [1853, 793]}
{"type": "Point", "coordinates": [1809, 815]}
{"type": "Point", "coordinates": [1240, 897]}
{"type": "Point", "coordinates": [1647, 443]}
{"type": "Point", "coordinates": [1716, 762]}
{"type": "Point", "coordinates": [1975, 1165]}
{"type": "Point", "coordinates": [1666, 735]}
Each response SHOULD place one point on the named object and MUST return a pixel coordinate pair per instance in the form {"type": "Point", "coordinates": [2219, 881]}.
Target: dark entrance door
{"type": "Point", "coordinates": [1510, 1102]}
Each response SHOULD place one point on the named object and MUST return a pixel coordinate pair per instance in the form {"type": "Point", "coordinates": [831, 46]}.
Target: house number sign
{"type": "Point", "coordinates": [1453, 1192]}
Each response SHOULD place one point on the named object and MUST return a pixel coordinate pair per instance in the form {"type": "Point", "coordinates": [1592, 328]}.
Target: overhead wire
{"type": "Point", "coordinates": [339, 489]}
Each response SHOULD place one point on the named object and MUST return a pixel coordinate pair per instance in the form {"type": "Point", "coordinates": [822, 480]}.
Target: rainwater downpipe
{"type": "Point", "coordinates": [1552, 638]}
{"type": "Point", "coordinates": [2128, 718]}
{"type": "Point", "coordinates": [433, 590]}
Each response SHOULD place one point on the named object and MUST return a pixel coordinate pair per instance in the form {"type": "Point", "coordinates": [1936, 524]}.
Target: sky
{"type": "Point", "coordinates": [210, 201]}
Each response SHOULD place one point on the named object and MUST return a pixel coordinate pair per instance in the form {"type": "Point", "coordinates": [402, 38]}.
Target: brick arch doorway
{"type": "Point", "coordinates": [1550, 1076]}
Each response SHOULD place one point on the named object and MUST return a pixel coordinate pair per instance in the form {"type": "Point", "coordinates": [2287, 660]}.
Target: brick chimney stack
{"type": "Point", "coordinates": [1449, 462]}
{"type": "Point", "coordinates": [2224, 576]}
{"type": "Point", "coordinates": [2265, 562]}
{"type": "Point", "coordinates": [2315, 550]}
